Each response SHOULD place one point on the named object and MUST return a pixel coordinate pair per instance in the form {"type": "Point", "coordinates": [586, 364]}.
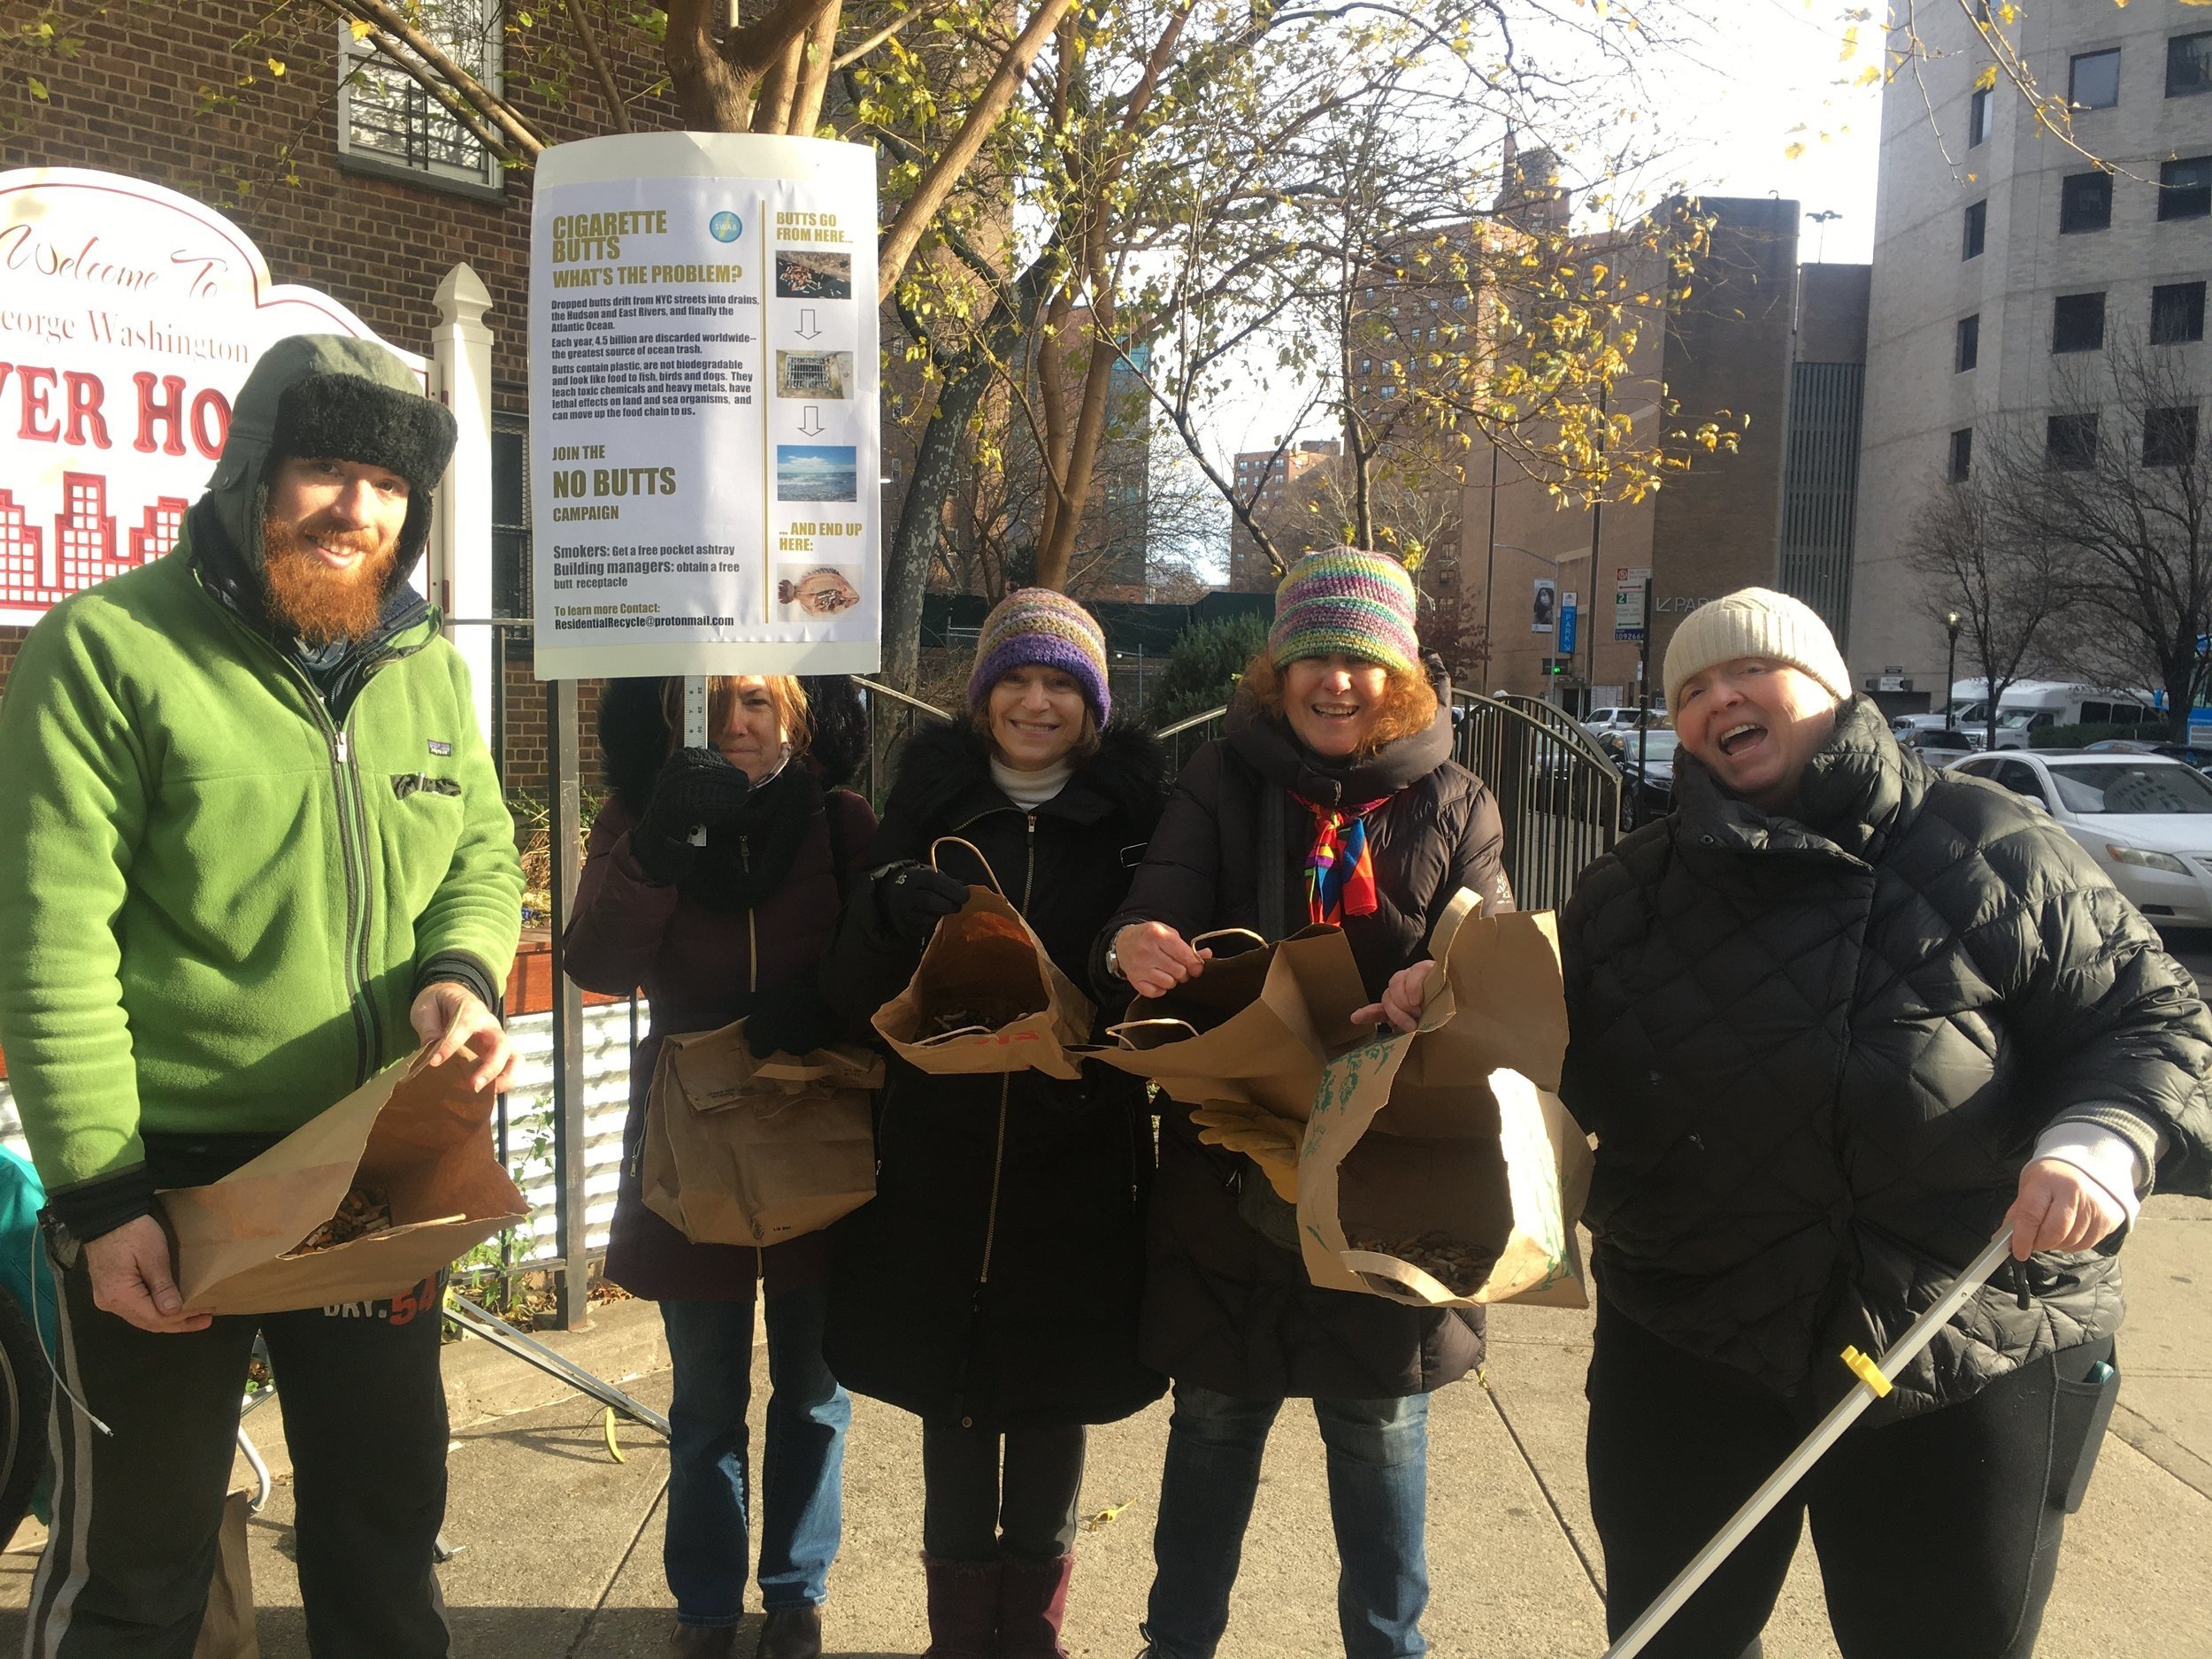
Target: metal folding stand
{"type": "Point", "coordinates": [500, 1334]}
{"type": "Point", "coordinates": [1873, 1375]}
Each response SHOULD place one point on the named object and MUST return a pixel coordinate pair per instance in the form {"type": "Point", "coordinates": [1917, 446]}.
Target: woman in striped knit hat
{"type": "Point", "coordinates": [992, 1287]}
{"type": "Point", "coordinates": [1330, 796]}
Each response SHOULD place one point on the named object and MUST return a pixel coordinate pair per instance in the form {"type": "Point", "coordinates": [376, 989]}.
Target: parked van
{"type": "Point", "coordinates": [2036, 705]}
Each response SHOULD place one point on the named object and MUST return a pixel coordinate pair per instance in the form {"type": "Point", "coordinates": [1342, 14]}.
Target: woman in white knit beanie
{"type": "Point", "coordinates": [1834, 1020]}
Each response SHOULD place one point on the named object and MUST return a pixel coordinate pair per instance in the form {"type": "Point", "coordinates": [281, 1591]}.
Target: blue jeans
{"type": "Point", "coordinates": [802, 1457]}
{"type": "Point", "coordinates": [1378, 1473]}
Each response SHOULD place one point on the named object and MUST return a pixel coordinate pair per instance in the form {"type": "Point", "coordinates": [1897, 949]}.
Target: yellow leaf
{"type": "Point", "coordinates": [1987, 79]}
{"type": "Point", "coordinates": [276, 66]}
{"type": "Point", "coordinates": [360, 29]}
{"type": "Point", "coordinates": [1793, 150]}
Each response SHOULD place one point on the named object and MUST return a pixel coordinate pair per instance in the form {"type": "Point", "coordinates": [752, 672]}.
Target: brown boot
{"type": "Point", "coordinates": [791, 1632]}
{"type": "Point", "coordinates": [701, 1641]}
{"type": "Point", "coordinates": [962, 1609]}
{"type": "Point", "coordinates": [1032, 1604]}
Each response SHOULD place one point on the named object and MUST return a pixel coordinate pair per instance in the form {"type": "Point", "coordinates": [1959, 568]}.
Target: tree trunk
{"type": "Point", "coordinates": [936, 471]}
{"type": "Point", "coordinates": [2181, 691]}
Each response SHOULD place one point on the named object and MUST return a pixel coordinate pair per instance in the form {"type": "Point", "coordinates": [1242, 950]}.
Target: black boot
{"type": "Point", "coordinates": [791, 1632]}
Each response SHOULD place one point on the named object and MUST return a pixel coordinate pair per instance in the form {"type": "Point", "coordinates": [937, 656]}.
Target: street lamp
{"type": "Point", "coordinates": [1950, 668]}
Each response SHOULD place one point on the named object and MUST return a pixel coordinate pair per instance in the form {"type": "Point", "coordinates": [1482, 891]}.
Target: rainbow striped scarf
{"type": "Point", "coordinates": [1340, 866]}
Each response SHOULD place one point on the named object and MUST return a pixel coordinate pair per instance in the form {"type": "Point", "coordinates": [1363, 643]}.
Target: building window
{"type": "Point", "coordinates": [386, 120]}
{"type": "Point", "coordinates": [1980, 111]}
{"type": "Point", "coordinates": [2093, 80]}
{"type": "Point", "coordinates": [2188, 66]}
{"type": "Point", "coordinates": [1977, 229]}
{"type": "Point", "coordinates": [2176, 313]}
{"type": "Point", "coordinates": [1969, 347]}
{"type": "Point", "coordinates": [2169, 436]}
{"type": "Point", "coordinates": [2069, 441]}
{"type": "Point", "coordinates": [1961, 454]}
{"type": "Point", "coordinates": [2185, 187]}
{"type": "Point", "coordinates": [511, 592]}
{"type": "Point", "coordinates": [2085, 202]}
{"type": "Point", "coordinates": [2078, 323]}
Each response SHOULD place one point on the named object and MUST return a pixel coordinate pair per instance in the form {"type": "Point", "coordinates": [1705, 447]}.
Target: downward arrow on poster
{"type": "Point", "coordinates": [808, 329]}
{"type": "Point", "coordinates": [810, 420]}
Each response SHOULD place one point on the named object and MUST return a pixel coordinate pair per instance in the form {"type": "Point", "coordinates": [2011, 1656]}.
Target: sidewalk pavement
{"type": "Point", "coordinates": [560, 1544]}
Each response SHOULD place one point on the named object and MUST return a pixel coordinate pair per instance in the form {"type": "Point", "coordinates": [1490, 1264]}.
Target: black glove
{"type": "Point", "coordinates": [911, 900]}
{"type": "Point", "coordinates": [695, 787]}
{"type": "Point", "coordinates": [791, 1018]}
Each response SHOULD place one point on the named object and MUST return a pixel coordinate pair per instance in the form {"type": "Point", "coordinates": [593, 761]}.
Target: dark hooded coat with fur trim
{"type": "Point", "coordinates": [996, 1279]}
{"type": "Point", "coordinates": [701, 954]}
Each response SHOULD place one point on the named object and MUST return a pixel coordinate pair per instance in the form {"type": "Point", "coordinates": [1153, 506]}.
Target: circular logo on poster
{"type": "Point", "coordinates": [726, 226]}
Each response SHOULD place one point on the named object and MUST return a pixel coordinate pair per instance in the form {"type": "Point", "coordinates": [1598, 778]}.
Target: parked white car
{"type": "Point", "coordinates": [2145, 820]}
{"type": "Point", "coordinates": [1617, 720]}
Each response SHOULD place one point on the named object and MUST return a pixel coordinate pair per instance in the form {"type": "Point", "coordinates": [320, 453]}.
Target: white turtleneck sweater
{"type": "Point", "coordinates": [1030, 790]}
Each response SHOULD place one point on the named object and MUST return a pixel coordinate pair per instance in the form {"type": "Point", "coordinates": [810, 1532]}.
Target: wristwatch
{"type": "Point", "coordinates": [1113, 964]}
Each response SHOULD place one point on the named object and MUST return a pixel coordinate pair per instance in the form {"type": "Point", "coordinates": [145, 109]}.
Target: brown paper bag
{"type": "Point", "coordinates": [985, 959]}
{"type": "Point", "coordinates": [753, 1152]}
{"type": "Point", "coordinates": [1255, 1028]}
{"type": "Point", "coordinates": [226, 1629]}
{"type": "Point", "coordinates": [415, 1131]}
{"type": "Point", "coordinates": [1475, 1164]}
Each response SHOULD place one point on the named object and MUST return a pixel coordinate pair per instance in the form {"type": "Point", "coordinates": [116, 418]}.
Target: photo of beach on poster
{"type": "Point", "coordinates": [817, 471]}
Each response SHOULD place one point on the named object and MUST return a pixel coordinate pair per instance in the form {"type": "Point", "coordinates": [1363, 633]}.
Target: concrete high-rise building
{"type": "Point", "coordinates": [1774, 348]}
{"type": "Point", "coordinates": [2008, 264]}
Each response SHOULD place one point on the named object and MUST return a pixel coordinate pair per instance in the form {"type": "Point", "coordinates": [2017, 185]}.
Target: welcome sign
{"type": "Point", "coordinates": [129, 317]}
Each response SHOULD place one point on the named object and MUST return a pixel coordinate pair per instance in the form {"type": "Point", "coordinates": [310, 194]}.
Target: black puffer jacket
{"type": "Point", "coordinates": [996, 1277]}
{"type": "Point", "coordinates": [1818, 1052]}
{"type": "Point", "coordinates": [1228, 1305]}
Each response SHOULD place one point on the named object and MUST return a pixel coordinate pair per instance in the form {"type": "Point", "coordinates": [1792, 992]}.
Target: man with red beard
{"type": "Point", "coordinates": [252, 850]}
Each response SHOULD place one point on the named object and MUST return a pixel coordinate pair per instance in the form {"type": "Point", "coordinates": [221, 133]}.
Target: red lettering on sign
{"type": "Point", "coordinates": [86, 395]}
{"type": "Point", "coordinates": [37, 385]}
{"type": "Point", "coordinates": [210, 422]}
{"type": "Point", "coordinates": [168, 410]}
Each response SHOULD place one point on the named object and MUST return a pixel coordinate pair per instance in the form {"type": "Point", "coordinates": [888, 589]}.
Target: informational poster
{"type": "Point", "coordinates": [129, 317]}
{"type": "Point", "coordinates": [1569, 611]}
{"type": "Point", "coordinates": [1545, 605]}
{"type": "Point", "coordinates": [1628, 601]}
{"type": "Point", "coordinates": [703, 414]}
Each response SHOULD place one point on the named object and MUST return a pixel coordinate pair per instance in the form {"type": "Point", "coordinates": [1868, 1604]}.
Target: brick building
{"type": "Point", "coordinates": [1268, 479]}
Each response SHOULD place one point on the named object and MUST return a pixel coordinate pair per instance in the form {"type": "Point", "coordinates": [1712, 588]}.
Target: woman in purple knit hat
{"type": "Point", "coordinates": [991, 1288]}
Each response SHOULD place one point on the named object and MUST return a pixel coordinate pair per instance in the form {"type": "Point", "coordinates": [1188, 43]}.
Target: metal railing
{"type": "Point", "coordinates": [1559, 793]}
{"type": "Point", "coordinates": [893, 718]}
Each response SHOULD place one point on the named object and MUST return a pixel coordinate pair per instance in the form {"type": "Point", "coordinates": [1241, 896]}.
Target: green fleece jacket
{"type": "Point", "coordinates": [217, 901]}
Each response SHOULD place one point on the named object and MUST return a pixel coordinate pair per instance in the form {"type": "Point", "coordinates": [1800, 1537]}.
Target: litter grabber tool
{"type": "Point", "coordinates": [1874, 1382]}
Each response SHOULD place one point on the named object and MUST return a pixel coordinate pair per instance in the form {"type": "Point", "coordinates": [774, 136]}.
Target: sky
{"type": "Point", "coordinates": [1773, 82]}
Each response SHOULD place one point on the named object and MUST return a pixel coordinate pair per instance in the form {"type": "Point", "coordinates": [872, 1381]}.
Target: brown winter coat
{"type": "Point", "coordinates": [701, 965]}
